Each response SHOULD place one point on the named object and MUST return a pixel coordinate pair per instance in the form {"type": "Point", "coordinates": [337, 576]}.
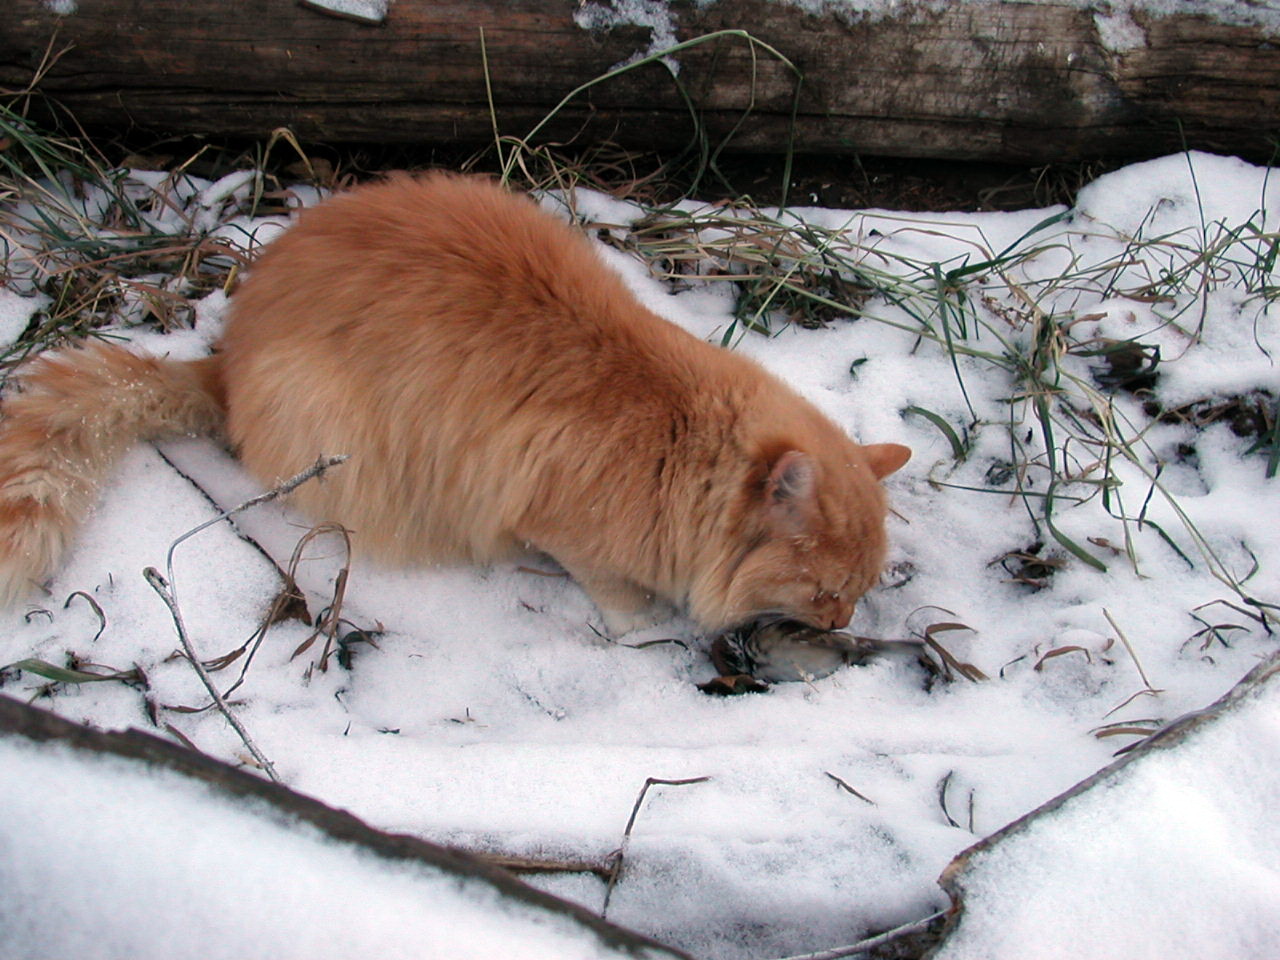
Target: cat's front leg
{"type": "Point", "coordinates": [624, 604]}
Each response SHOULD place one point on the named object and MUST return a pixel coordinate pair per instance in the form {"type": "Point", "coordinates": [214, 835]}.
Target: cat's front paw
{"type": "Point", "coordinates": [618, 623]}
{"type": "Point", "coordinates": [624, 604]}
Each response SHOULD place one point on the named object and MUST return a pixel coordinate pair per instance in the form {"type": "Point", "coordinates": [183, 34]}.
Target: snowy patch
{"type": "Point", "coordinates": [366, 11]}
{"type": "Point", "coordinates": [15, 314]}
{"type": "Point", "coordinates": [1188, 828]}
{"type": "Point", "coordinates": [656, 15]}
{"type": "Point", "coordinates": [478, 706]}
{"type": "Point", "coordinates": [1118, 31]}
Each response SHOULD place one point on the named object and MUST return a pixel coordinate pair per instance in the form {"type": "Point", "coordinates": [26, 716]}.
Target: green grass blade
{"type": "Point", "coordinates": [52, 672]}
{"type": "Point", "coordinates": [959, 450]}
{"type": "Point", "coordinates": [1063, 539]}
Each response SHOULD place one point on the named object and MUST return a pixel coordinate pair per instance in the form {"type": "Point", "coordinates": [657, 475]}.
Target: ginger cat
{"type": "Point", "coordinates": [498, 390]}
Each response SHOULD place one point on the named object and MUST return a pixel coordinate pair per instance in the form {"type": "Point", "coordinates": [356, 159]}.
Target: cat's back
{"type": "Point", "coordinates": [459, 343]}
{"type": "Point", "coordinates": [412, 256]}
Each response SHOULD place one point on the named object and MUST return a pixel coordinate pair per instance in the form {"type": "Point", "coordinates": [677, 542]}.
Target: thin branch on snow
{"type": "Point", "coordinates": [288, 486]}
{"type": "Point", "coordinates": [616, 868]}
{"type": "Point", "coordinates": [167, 590]}
{"type": "Point", "coordinates": [871, 943]}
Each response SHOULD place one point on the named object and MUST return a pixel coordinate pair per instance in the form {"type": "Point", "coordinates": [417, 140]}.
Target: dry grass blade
{"type": "Point", "coordinates": [1133, 656]}
{"type": "Point", "coordinates": [1124, 730]}
{"type": "Point", "coordinates": [331, 617]}
{"type": "Point", "coordinates": [1062, 651]}
{"type": "Point", "coordinates": [1260, 617]}
{"type": "Point", "coordinates": [848, 789]}
{"type": "Point", "coordinates": [943, 784]}
{"type": "Point", "coordinates": [949, 661]}
{"type": "Point", "coordinates": [182, 738]}
{"type": "Point", "coordinates": [1129, 699]}
{"type": "Point", "coordinates": [94, 606]}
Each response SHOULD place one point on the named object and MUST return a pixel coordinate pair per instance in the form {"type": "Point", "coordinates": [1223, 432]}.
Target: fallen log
{"type": "Point", "coordinates": [1101, 849]}
{"type": "Point", "coordinates": [985, 79]}
{"type": "Point", "coordinates": [255, 814]}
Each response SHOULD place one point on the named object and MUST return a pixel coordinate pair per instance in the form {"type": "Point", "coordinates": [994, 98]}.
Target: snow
{"type": "Point", "coordinates": [15, 315]}
{"type": "Point", "coordinates": [367, 11]}
{"type": "Point", "coordinates": [492, 716]}
{"type": "Point", "coordinates": [654, 15]}
{"type": "Point", "coordinates": [180, 871]}
{"type": "Point", "coordinates": [1191, 828]}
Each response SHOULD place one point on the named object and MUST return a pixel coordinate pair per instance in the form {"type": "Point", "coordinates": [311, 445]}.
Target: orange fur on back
{"type": "Point", "coordinates": [499, 390]}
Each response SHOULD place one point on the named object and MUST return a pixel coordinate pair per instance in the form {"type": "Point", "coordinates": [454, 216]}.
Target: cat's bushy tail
{"type": "Point", "coordinates": [71, 419]}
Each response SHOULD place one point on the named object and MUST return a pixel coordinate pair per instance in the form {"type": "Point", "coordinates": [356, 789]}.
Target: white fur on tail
{"type": "Point", "coordinates": [62, 432]}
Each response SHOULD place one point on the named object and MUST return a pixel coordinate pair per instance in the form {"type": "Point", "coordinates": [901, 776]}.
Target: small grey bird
{"type": "Point", "coordinates": [783, 650]}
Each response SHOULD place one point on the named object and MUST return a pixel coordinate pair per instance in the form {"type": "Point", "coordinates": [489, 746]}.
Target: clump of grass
{"type": "Point", "coordinates": [100, 245]}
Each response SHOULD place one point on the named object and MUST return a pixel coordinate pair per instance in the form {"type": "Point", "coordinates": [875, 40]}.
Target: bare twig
{"type": "Point", "coordinates": [616, 867]}
{"type": "Point", "coordinates": [871, 943]}
{"type": "Point", "coordinates": [163, 588]}
{"type": "Point", "coordinates": [167, 591]}
{"type": "Point", "coordinates": [532, 865]}
{"type": "Point", "coordinates": [288, 486]}
{"type": "Point", "coordinates": [848, 789]}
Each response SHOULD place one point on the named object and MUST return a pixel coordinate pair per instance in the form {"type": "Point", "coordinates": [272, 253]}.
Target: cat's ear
{"type": "Point", "coordinates": [790, 489]}
{"type": "Point", "coordinates": [885, 458]}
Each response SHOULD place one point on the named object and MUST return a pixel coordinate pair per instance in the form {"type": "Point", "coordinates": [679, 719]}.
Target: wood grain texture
{"type": "Point", "coordinates": [988, 79]}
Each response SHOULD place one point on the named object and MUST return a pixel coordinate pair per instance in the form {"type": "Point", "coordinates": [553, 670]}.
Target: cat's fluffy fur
{"type": "Point", "coordinates": [498, 390]}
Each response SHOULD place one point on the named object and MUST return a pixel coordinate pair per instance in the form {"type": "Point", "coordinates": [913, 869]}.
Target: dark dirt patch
{"type": "Point", "coordinates": [848, 182]}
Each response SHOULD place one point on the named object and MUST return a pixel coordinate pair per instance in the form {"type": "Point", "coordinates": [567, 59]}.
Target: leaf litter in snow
{"type": "Point", "coordinates": [1082, 566]}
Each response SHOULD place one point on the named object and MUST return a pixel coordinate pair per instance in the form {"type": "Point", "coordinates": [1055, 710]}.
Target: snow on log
{"type": "Point", "coordinates": [124, 844]}
{"type": "Point", "coordinates": [1169, 851]}
{"type": "Point", "coordinates": [1014, 81]}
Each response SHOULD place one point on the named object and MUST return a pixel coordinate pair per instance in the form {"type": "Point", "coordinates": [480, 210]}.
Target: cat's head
{"type": "Point", "coordinates": [810, 538]}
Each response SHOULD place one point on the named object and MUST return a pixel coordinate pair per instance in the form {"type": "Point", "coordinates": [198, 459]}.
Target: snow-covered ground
{"type": "Point", "coordinates": [149, 863]}
{"type": "Point", "coordinates": [491, 715]}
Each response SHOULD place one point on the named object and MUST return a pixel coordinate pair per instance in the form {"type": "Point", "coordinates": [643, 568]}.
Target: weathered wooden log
{"type": "Point", "coordinates": [985, 79]}
{"type": "Point", "coordinates": [965, 873]}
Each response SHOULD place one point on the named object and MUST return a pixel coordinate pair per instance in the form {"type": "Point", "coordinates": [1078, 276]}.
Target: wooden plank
{"type": "Point", "coordinates": [987, 79]}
